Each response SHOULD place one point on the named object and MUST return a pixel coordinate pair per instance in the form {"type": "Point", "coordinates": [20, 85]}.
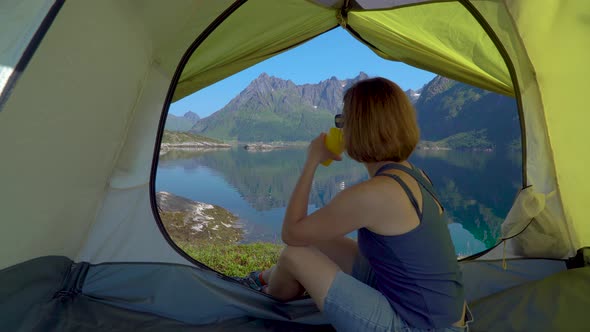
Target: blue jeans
{"type": "Point", "coordinates": [353, 305]}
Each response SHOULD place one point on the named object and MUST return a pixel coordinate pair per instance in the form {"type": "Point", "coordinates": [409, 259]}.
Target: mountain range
{"type": "Point", "coordinates": [273, 109]}
{"type": "Point", "coordinates": [182, 123]}
{"type": "Point", "coordinates": [461, 116]}
{"type": "Point", "coordinates": [450, 114]}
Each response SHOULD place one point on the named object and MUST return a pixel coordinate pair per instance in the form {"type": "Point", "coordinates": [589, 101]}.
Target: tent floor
{"type": "Point", "coordinates": [54, 294]}
{"type": "Point", "coordinates": [559, 302]}
{"type": "Point", "coordinates": [83, 314]}
{"type": "Point", "coordinates": [32, 298]}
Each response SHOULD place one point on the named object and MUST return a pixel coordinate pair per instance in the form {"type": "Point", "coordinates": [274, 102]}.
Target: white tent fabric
{"type": "Point", "coordinates": [126, 79]}
{"type": "Point", "coordinates": [533, 237]}
{"type": "Point", "coordinates": [66, 201]}
{"type": "Point", "coordinates": [112, 158]}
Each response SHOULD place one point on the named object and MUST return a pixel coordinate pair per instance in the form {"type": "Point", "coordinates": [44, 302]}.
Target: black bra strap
{"type": "Point", "coordinates": [415, 173]}
{"type": "Point", "coordinates": [389, 166]}
{"type": "Point", "coordinates": [407, 190]}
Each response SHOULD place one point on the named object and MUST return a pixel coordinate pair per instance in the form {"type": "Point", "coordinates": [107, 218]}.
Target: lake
{"type": "Point", "coordinates": [476, 188]}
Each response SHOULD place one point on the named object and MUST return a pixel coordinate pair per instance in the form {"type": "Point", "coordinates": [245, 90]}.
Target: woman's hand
{"type": "Point", "coordinates": [317, 152]}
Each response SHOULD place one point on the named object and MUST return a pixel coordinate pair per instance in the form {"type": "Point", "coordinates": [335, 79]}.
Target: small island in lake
{"type": "Point", "coordinates": [262, 147]}
{"type": "Point", "coordinates": [192, 222]}
{"type": "Point", "coordinates": [173, 140]}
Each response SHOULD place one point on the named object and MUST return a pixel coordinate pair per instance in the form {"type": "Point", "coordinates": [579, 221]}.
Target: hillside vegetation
{"type": "Point", "coordinates": [175, 137]}
{"type": "Point", "coordinates": [450, 114]}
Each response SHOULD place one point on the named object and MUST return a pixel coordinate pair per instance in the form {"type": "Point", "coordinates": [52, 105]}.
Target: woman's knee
{"type": "Point", "coordinates": [342, 251]}
{"type": "Point", "coordinates": [292, 257]}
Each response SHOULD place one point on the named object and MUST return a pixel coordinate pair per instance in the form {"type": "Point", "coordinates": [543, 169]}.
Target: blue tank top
{"type": "Point", "coordinates": [417, 271]}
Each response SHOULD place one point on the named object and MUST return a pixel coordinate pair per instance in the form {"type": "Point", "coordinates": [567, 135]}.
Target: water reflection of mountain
{"type": "Point", "coordinates": [266, 179]}
{"type": "Point", "coordinates": [476, 194]}
{"type": "Point", "coordinates": [477, 189]}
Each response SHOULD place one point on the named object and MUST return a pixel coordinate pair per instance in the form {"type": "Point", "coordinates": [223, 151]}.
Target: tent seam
{"type": "Point", "coordinates": [426, 2]}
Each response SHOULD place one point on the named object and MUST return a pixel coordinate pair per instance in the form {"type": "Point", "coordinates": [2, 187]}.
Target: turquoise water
{"type": "Point", "coordinates": [476, 188]}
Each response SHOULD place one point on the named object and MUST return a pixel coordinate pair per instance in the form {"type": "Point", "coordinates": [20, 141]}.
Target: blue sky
{"type": "Point", "coordinates": [335, 53]}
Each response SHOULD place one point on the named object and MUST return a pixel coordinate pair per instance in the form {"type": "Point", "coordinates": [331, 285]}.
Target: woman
{"type": "Point", "coordinates": [403, 272]}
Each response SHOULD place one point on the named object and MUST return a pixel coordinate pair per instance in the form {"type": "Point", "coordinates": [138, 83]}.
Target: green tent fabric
{"type": "Point", "coordinates": [415, 36]}
{"type": "Point", "coordinates": [84, 88]}
{"type": "Point", "coordinates": [423, 36]}
{"type": "Point", "coordinates": [229, 50]}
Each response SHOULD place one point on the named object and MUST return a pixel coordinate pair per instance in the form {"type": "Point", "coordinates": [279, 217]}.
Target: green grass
{"type": "Point", "coordinates": [235, 259]}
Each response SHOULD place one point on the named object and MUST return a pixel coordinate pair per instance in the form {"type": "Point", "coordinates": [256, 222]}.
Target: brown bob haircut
{"type": "Point", "coordinates": [379, 122]}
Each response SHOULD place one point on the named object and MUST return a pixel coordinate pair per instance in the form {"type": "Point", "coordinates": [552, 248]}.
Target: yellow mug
{"type": "Point", "coordinates": [334, 142]}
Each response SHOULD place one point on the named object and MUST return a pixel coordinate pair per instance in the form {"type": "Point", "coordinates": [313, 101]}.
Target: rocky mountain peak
{"type": "Point", "coordinates": [349, 82]}
{"type": "Point", "coordinates": [190, 115]}
{"type": "Point", "coordinates": [266, 84]}
{"type": "Point", "coordinates": [361, 76]}
{"type": "Point", "coordinates": [413, 95]}
{"type": "Point", "coordinates": [438, 85]}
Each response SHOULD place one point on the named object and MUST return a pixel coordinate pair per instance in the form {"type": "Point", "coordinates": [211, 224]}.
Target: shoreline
{"type": "Point", "coordinates": [189, 221]}
{"type": "Point", "coordinates": [425, 148]}
{"type": "Point", "coordinates": [272, 146]}
{"type": "Point", "coordinates": [192, 146]}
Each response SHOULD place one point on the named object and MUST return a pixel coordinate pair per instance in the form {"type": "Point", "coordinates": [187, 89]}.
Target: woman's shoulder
{"type": "Point", "coordinates": [393, 212]}
{"type": "Point", "coordinates": [378, 191]}
{"type": "Point", "coordinates": [389, 181]}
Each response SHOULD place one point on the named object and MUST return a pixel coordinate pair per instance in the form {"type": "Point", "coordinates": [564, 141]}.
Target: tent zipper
{"type": "Point", "coordinates": [73, 282]}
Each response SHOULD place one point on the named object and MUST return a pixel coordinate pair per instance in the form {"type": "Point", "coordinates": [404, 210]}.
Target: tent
{"type": "Point", "coordinates": [84, 90]}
